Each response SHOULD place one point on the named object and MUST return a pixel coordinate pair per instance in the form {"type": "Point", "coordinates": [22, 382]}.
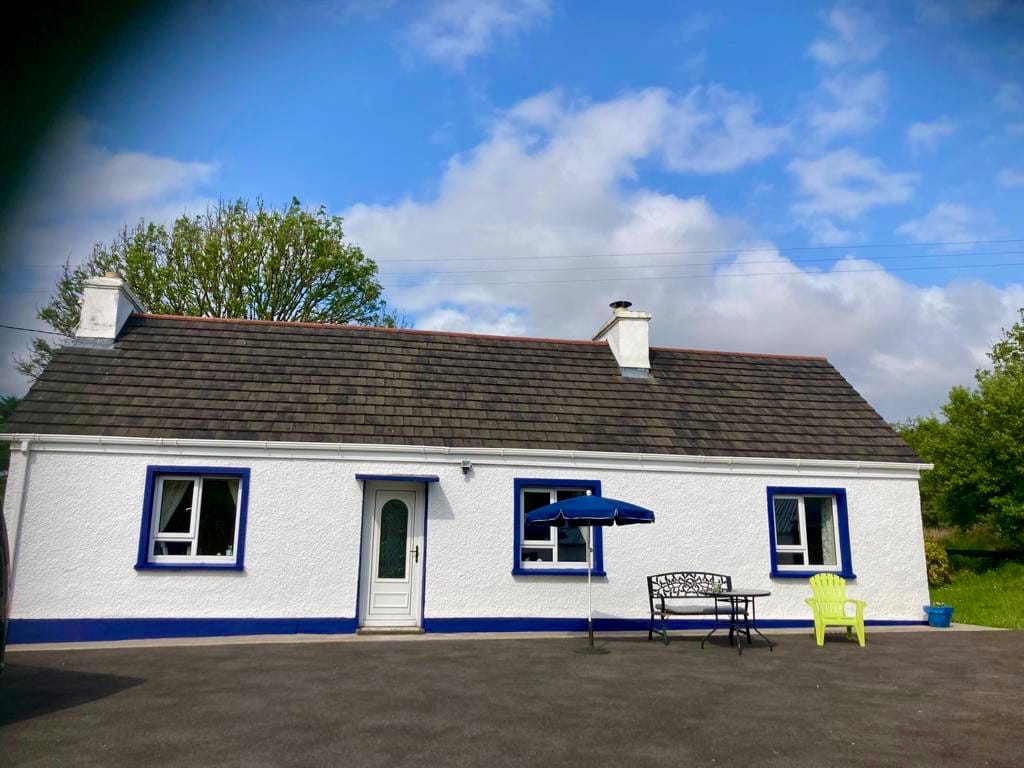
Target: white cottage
{"type": "Point", "coordinates": [180, 476]}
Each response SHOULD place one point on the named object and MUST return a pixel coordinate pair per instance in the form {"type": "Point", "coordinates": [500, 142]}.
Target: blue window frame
{"type": "Point", "coordinates": [194, 518]}
{"type": "Point", "coordinates": [552, 551]}
{"type": "Point", "coordinates": [809, 532]}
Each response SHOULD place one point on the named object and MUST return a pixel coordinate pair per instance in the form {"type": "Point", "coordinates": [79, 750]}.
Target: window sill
{"type": "Point", "coordinates": [809, 574]}
{"type": "Point", "coordinates": [556, 572]}
{"type": "Point", "coordinates": [189, 567]}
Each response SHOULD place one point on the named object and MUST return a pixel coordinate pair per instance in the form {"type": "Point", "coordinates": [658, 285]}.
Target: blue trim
{"type": "Point", "coordinates": [501, 624]}
{"type": "Point", "coordinates": [152, 473]}
{"type": "Point", "coordinates": [187, 567]}
{"type": "Point", "coordinates": [90, 630]}
{"type": "Point", "coordinates": [594, 486]}
{"type": "Point", "coordinates": [400, 478]}
{"type": "Point", "coordinates": [846, 558]}
{"type": "Point", "coordinates": [21, 631]}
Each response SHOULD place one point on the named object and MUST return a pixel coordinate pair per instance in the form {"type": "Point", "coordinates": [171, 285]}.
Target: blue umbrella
{"type": "Point", "coordinates": [590, 511]}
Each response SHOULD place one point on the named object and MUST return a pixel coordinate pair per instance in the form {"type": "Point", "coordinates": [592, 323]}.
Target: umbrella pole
{"type": "Point", "coordinates": [590, 589]}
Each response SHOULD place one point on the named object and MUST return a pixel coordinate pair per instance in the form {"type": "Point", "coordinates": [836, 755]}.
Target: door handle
{"type": "Point", "coordinates": [416, 553]}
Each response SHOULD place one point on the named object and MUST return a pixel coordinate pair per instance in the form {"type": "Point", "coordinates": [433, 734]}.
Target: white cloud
{"type": "Point", "coordinates": [78, 176]}
{"type": "Point", "coordinates": [856, 104]}
{"type": "Point", "coordinates": [561, 183]}
{"type": "Point", "coordinates": [1010, 97]}
{"type": "Point", "coordinates": [456, 30]}
{"type": "Point", "coordinates": [950, 223]}
{"type": "Point", "coordinates": [1010, 178]}
{"type": "Point", "coordinates": [855, 38]}
{"type": "Point", "coordinates": [80, 194]}
{"type": "Point", "coordinates": [824, 231]}
{"type": "Point", "coordinates": [926, 136]}
{"type": "Point", "coordinates": [714, 130]}
{"type": "Point", "coordinates": [845, 184]}
{"type": "Point", "coordinates": [507, 323]}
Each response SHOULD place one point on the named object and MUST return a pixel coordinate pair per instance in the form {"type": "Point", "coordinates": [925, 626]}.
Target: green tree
{"type": "Point", "coordinates": [235, 260]}
{"type": "Point", "coordinates": [978, 446]}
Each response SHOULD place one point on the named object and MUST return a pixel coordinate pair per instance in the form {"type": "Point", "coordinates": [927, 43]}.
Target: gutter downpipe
{"type": "Point", "coordinates": [15, 500]}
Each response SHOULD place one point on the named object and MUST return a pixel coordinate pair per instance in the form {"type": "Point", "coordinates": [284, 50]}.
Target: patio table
{"type": "Point", "coordinates": [742, 615]}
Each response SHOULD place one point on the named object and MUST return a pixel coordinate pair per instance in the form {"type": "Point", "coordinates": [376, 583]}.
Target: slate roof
{"type": "Point", "coordinates": [250, 380]}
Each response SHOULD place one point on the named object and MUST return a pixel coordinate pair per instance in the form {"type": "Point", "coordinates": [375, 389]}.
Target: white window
{"type": "Point", "coordinates": [806, 532]}
{"type": "Point", "coordinates": [546, 546]}
{"type": "Point", "coordinates": [195, 519]}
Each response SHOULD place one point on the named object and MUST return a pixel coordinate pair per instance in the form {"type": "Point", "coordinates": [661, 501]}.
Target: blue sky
{"type": "Point", "coordinates": [531, 154]}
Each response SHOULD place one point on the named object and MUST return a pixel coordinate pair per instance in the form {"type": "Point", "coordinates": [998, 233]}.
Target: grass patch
{"type": "Point", "coordinates": [994, 598]}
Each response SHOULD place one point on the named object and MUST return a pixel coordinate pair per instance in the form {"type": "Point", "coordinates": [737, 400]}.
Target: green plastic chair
{"type": "Point", "coordinates": [829, 604]}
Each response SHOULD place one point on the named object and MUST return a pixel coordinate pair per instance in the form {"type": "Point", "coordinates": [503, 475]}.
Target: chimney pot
{"type": "Point", "coordinates": [621, 304]}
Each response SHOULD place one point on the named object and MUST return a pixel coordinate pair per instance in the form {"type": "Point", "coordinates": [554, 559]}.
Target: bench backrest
{"type": "Point", "coordinates": [685, 584]}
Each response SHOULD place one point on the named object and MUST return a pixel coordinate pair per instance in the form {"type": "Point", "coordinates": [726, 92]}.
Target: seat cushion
{"type": "Point", "coordinates": [696, 610]}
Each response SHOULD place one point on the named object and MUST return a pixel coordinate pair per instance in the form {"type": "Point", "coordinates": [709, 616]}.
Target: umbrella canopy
{"type": "Point", "coordinates": [590, 510]}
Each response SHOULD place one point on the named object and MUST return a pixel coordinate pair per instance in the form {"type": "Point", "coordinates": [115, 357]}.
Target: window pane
{"type": "Point", "coordinates": [537, 555]}
{"type": "Point", "coordinates": [790, 558]}
{"type": "Point", "coordinates": [821, 533]}
{"type": "Point", "coordinates": [569, 493]}
{"type": "Point", "coordinates": [572, 545]}
{"type": "Point", "coordinates": [394, 527]}
{"type": "Point", "coordinates": [172, 547]}
{"type": "Point", "coordinates": [176, 506]}
{"type": "Point", "coordinates": [217, 508]}
{"type": "Point", "coordinates": [535, 500]}
{"type": "Point", "coordinates": [787, 522]}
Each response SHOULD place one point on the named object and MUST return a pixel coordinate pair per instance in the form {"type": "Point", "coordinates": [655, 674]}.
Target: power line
{"type": "Point", "coordinates": [738, 274]}
{"type": "Point", "coordinates": [30, 330]}
{"type": "Point", "coordinates": [698, 264]}
{"type": "Point", "coordinates": [765, 249]}
{"type": "Point", "coordinates": [710, 252]}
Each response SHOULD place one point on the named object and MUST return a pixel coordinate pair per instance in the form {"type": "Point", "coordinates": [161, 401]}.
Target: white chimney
{"type": "Point", "coordinates": [106, 303]}
{"type": "Point", "coordinates": [627, 334]}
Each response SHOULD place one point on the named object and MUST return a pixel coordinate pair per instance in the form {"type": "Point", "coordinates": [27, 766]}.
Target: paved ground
{"type": "Point", "coordinates": [907, 699]}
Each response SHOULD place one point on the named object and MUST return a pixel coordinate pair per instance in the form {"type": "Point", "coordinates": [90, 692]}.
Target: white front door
{"type": "Point", "coordinates": [392, 555]}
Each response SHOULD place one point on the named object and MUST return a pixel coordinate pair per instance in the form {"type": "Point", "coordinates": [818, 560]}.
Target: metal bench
{"type": "Point", "coordinates": [683, 593]}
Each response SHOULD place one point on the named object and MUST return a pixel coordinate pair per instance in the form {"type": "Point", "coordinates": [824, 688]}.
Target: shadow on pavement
{"type": "Point", "coordinates": [27, 692]}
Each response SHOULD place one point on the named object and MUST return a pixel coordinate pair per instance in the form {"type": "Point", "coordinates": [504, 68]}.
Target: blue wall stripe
{"type": "Point", "coordinates": [88, 630]}
{"type": "Point", "coordinates": [616, 625]}
{"type": "Point", "coordinates": [91, 630]}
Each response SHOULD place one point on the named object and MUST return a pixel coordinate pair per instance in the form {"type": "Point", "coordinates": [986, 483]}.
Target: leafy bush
{"type": "Point", "coordinates": [939, 572]}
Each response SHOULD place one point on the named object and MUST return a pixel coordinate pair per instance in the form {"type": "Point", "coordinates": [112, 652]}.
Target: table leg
{"type": "Point", "coordinates": [737, 627]}
{"type": "Point", "coordinates": [753, 626]}
{"type": "Point", "coordinates": [714, 628]}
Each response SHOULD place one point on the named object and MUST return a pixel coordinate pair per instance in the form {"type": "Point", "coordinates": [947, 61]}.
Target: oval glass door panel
{"type": "Point", "coordinates": [394, 535]}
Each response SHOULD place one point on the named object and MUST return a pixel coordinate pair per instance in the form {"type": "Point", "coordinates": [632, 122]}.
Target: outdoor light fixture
{"type": "Point", "coordinates": [466, 466]}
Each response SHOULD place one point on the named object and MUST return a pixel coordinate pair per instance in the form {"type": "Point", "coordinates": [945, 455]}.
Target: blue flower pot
{"type": "Point", "coordinates": [939, 615]}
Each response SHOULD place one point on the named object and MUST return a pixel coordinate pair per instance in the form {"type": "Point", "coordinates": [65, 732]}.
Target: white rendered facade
{"type": "Point", "coordinates": [75, 505]}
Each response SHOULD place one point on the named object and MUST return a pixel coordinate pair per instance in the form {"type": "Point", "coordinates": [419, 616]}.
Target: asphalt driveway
{"type": "Point", "coordinates": [922, 698]}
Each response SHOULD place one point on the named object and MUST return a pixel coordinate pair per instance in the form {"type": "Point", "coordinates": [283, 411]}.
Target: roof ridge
{"type": "Point", "coordinates": [461, 334]}
{"type": "Point", "coordinates": [349, 327]}
{"type": "Point", "coordinates": [770, 355]}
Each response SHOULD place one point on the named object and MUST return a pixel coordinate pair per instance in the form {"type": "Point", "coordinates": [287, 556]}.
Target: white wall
{"type": "Point", "coordinates": [79, 535]}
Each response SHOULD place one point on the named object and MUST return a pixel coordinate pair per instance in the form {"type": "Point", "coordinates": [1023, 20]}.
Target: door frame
{"type": "Point", "coordinates": [418, 572]}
